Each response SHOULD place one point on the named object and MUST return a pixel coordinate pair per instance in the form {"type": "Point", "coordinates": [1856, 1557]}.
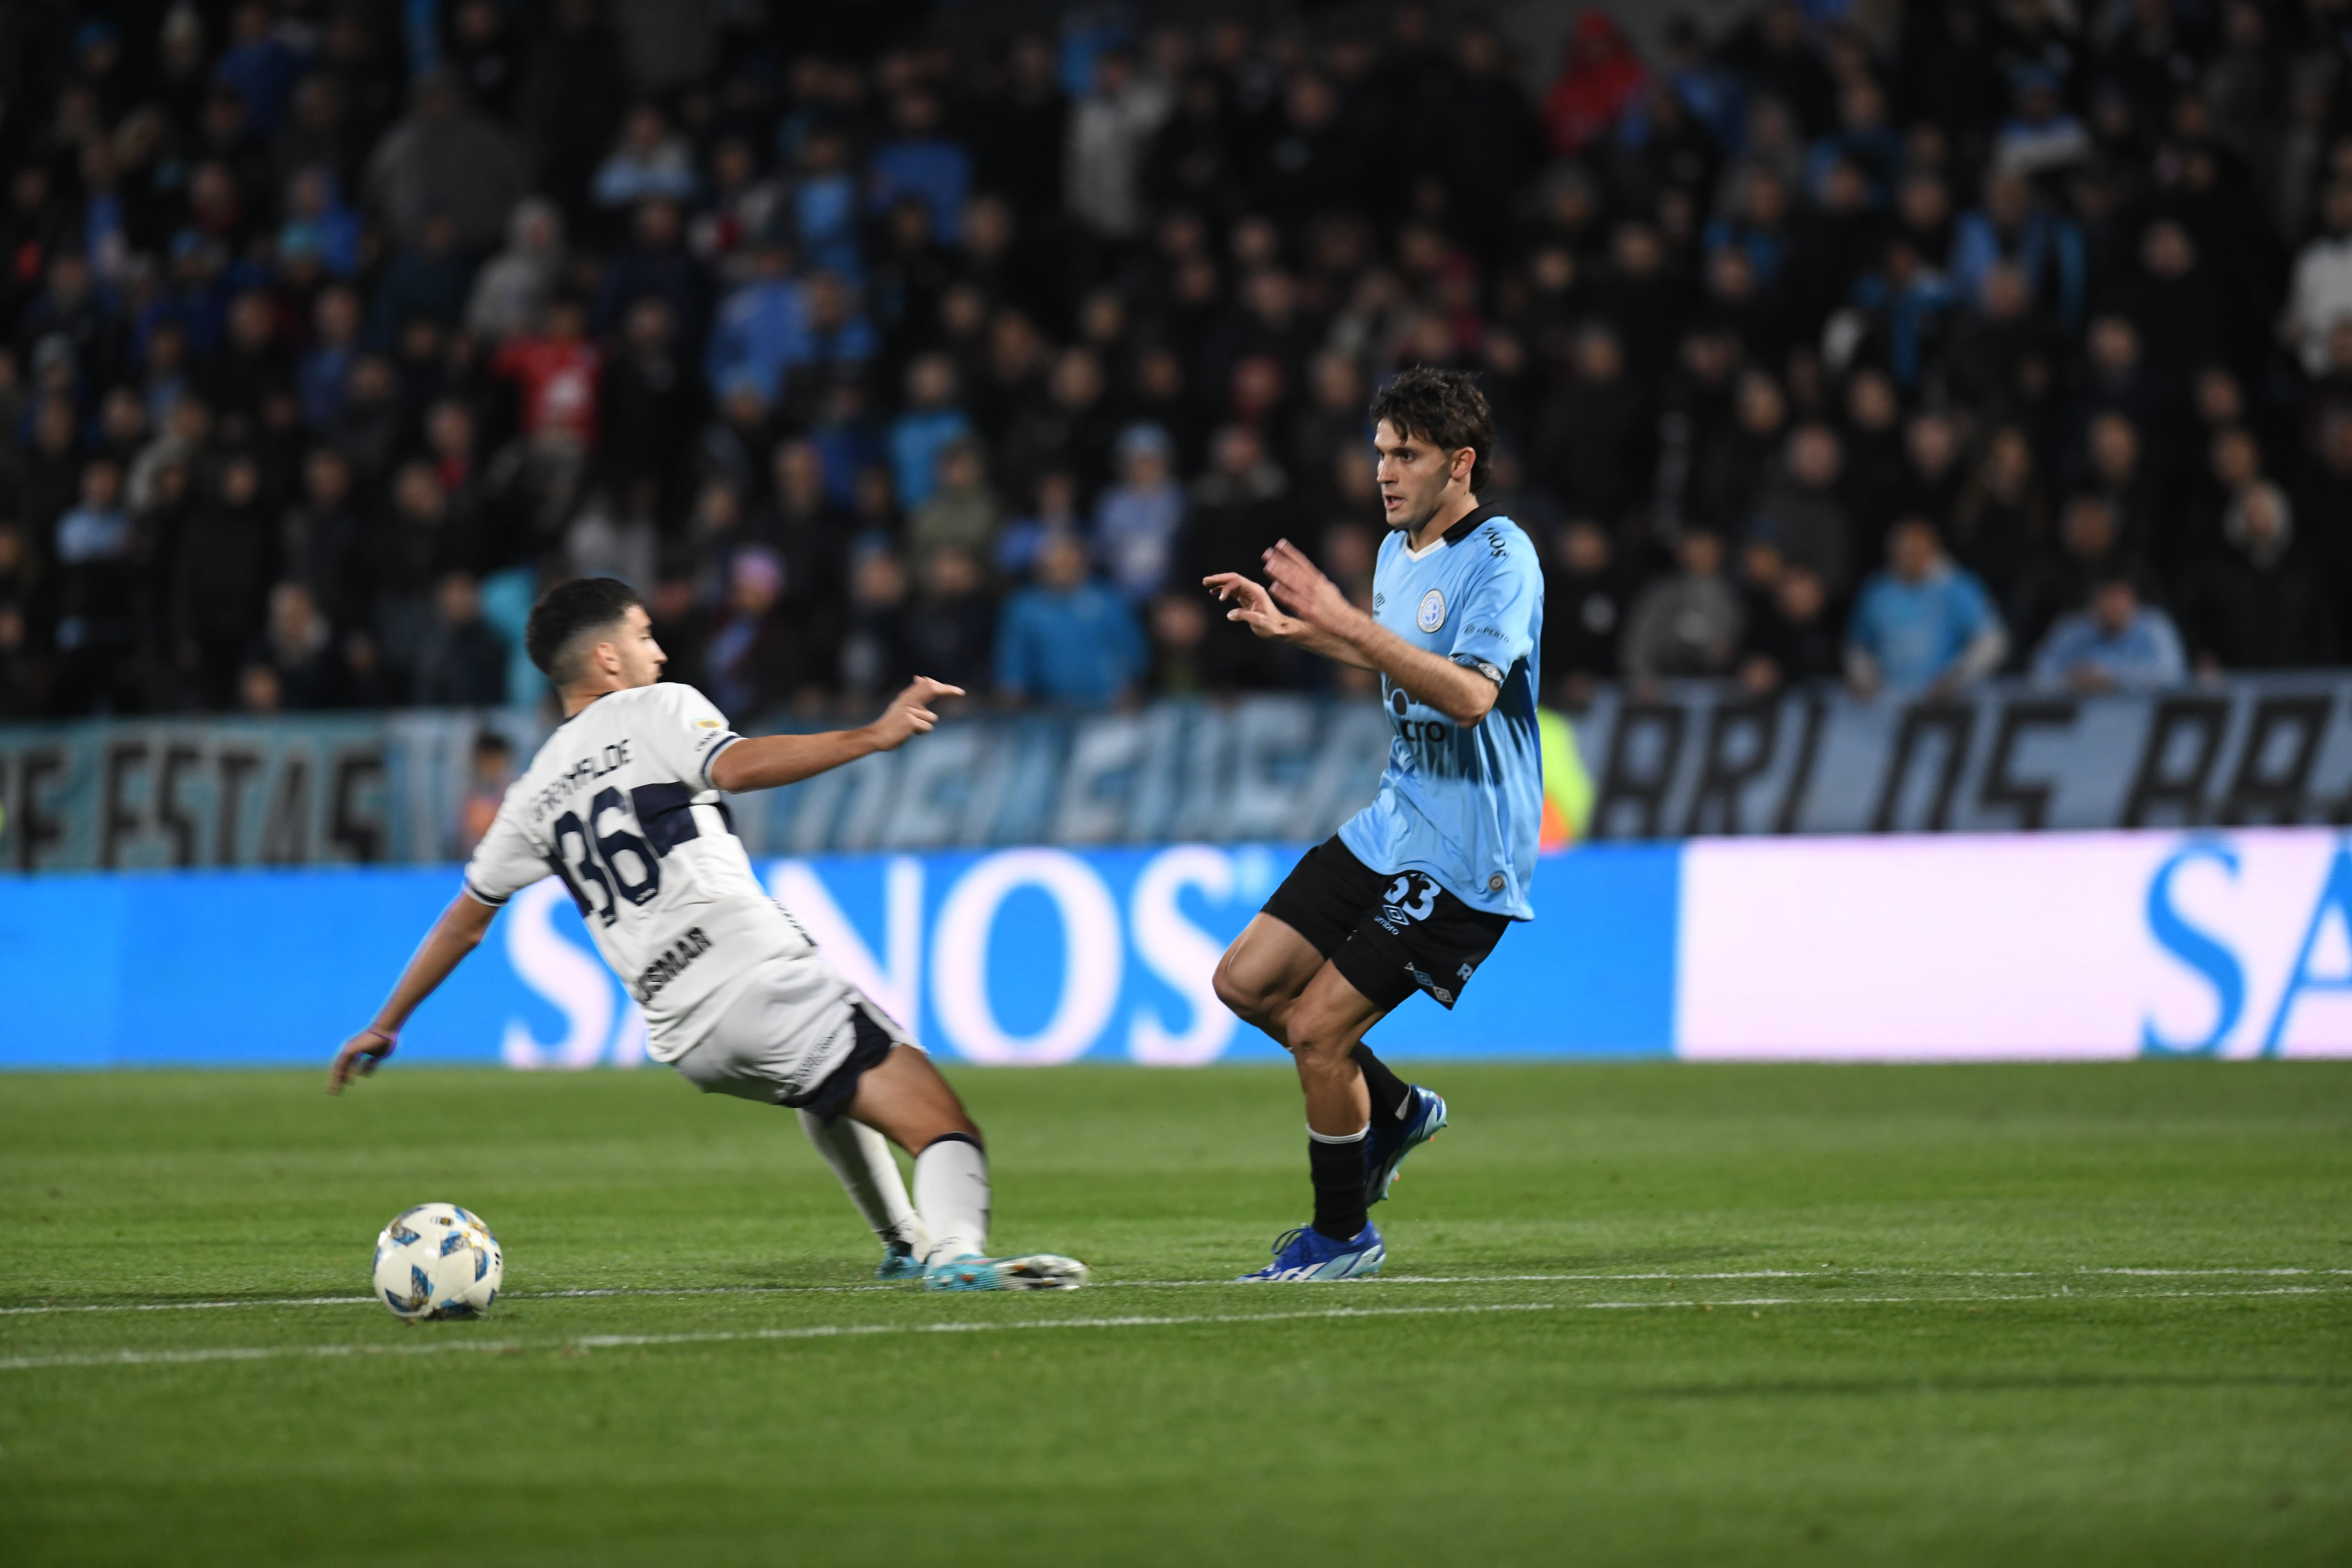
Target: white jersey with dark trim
{"type": "Point", "coordinates": [619, 805]}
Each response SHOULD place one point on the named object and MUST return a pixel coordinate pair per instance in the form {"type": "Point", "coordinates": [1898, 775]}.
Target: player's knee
{"type": "Point", "coordinates": [1248, 1002]}
{"type": "Point", "coordinates": [1317, 1037]}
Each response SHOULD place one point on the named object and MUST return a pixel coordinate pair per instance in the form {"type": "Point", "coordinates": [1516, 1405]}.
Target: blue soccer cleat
{"type": "Point", "coordinates": [1393, 1137]}
{"type": "Point", "coordinates": [1037, 1271]}
{"type": "Point", "coordinates": [899, 1262]}
{"type": "Point", "coordinates": [1308, 1254]}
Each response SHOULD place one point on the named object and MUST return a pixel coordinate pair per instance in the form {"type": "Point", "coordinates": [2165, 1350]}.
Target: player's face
{"type": "Point", "coordinates": [641, 657]}
{"type": "Point", "coordinates": [1413, 473]}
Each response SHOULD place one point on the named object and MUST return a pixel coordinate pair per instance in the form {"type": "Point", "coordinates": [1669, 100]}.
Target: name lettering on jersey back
{"type": "Point", "coordinates": [670, 964]}
{"type": "Point", "coordinates": [587, 770]}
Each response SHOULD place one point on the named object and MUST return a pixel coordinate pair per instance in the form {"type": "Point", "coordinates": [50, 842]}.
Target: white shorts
{"type": "Point", "coordinates": [799, 1035]}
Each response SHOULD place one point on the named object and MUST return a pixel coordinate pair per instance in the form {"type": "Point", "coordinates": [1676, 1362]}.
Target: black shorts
{"type": "Point", "coordinates": [869, 1047]}
{"type": "Point", "coordinates": [1390, 935]}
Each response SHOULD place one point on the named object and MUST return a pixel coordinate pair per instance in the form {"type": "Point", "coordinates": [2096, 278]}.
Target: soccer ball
{"type": "Point", "coordinates": [437, 1260]}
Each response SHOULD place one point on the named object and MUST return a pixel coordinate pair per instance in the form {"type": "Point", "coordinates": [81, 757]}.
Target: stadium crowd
{"type": "Point", "coordinates": [1896, 344]}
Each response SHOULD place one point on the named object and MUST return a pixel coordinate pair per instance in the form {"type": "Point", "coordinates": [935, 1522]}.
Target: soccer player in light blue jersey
{"type": "Point", "coordinates": [1414, 892]}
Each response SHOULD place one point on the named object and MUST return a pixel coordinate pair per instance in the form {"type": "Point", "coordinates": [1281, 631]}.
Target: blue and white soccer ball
{"type": "Point", "coordinates": [437, 1260]}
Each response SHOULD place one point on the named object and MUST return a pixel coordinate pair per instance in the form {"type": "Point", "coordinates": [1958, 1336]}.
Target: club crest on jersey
{"type": "Point", "coordinates": [1433, 611]}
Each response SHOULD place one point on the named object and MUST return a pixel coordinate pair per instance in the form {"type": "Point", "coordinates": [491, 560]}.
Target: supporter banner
{"type": "Point", "coordinates": [1686, 761]}
{"type": "Point", "coordinates": [2052, 946]}
{"type": "Point", "coordinates": [2005, 758]}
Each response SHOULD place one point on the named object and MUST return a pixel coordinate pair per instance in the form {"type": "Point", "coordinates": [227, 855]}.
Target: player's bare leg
{"type": "Point", "coordinates": [1264, 972]}
{"type": "Point", "coordinates": [909, 1102]}
{"type": "Point", "coordinates": [1361, 1118]}
{"type": "Point", "coordinates": [906, 1100]}
{"type": "Point", "coordinates": [1325, 1025]}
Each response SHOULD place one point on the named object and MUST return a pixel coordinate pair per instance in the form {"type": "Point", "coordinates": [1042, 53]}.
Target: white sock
{"type": "Point", "coordinates": [861, 1158]}
{"type": "Point", "coordinates": [951, 1192]}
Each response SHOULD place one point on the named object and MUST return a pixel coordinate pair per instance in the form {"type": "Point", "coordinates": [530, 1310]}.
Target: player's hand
{"type": "Point", "coordinates": [1252, 606]}
{"type": "Point", "coordinates": [1302, 589]}
{"type": "Point", "coordinates": [357, 1057]}
{"type": "Point", "coordinates": [909, 714]}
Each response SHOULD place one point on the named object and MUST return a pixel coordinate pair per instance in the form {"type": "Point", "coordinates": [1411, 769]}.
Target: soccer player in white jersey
{"type": "Point", "coordinates": [623, 804]}
{"type": "Point", "coordinates": [1415, 890]}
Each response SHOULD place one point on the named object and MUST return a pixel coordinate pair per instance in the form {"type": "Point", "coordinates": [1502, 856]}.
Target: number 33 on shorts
{"type": "Point", "coordinates": [1413, 894]}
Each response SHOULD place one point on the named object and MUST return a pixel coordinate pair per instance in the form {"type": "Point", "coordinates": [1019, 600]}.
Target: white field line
{"type": "Point", "coordinates": [583, 1343]}
{"type": "Point", "coordinates": [46, 1308]}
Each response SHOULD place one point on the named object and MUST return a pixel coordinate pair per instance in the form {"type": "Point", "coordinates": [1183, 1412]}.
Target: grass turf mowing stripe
{"type": "Point", "coordinates": [632, 1292]}
{"type": "Point", "coordinates": [586, 1342]}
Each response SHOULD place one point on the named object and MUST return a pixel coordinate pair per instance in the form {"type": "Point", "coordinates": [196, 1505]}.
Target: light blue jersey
{"type": "Point", "coordinates": [1461, 805]}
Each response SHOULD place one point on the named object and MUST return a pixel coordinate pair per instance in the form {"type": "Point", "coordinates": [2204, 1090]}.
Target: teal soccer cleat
{"type": "Point", "coordinates": [899, 1262]}
{"type": "Point", "coordinates": [1306, 1254]}
{"type": "Point", "coordinates": [1037, 1271]}
{"type": "Point", "coordinates": [1385, 1150]}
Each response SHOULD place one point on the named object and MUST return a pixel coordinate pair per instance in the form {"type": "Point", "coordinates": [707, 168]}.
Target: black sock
{"type": "Point", "coordinates": [1337, 1170]}
{"type": "Point", "coordinates": [1390, 1094]}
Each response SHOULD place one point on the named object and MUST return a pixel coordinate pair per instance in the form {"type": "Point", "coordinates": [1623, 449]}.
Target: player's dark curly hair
{"type": "Point", "coordinates": [563, 613]}
{"type": "Point", "coordinates": [1444, 408]}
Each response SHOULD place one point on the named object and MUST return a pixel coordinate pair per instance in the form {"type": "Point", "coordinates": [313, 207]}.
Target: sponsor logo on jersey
{"type": "Point", "coordinates": [1432, 613]}
{"type": "Point", "coordinates": [669, 966]}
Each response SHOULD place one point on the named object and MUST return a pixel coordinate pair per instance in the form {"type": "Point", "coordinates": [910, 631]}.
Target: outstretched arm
{"type": "Point", "coordinates": [766, 762]}
{"type": "Point", "coordinates": [1317, 605]}
{"type": "Point", "coordinates": [457, 933]}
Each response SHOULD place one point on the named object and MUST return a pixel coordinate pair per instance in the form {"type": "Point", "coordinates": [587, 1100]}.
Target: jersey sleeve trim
{"type": "Point", "coordinates": [1484, 666]}
{"type": "Point", "coordinates": [711, 756]}
{"type": "Point", "coordinates": [480, 897]}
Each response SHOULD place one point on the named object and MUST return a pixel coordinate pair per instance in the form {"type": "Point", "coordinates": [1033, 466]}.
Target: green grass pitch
{"type": "Point", "coordinates": [1636, 1314]}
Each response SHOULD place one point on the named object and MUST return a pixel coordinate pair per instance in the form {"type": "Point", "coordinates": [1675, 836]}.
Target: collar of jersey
{"type": "Point", "coordinates": [1458, 533]}
{"type": "Point", "coordinates": [599, 698]}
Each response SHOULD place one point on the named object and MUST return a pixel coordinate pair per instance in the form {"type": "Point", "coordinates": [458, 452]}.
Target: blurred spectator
{"type": "Point", "coordinates": [960, 514]}
{"type": "Point", "coordinates": [930, 422]}
{"type": "Point", "coordinates": [1791, 639]}
{"type": "Point", "coordinates": [515, 287]}
{"type": "Point", "coordinates": [1599, 79]}
{"type": "Point", "coordinates": [462, 662]}
{"type": "Point", "coordinates": [952, 635]}
{"type": "Point", "coordinates": [1923, 625]}
{"type": "Point", "coordinates": [1137, 520]}
{"type": "Point", "coordinates": [1587, 591]}
{"type": "Point", "coordinates": [219, 582]}
{"type": "Point", "coordinates": [651, 162]}
{"type": "Point", "coordinates": [1067, 642]}
{"type": "Point", "coordinates": [95, 553]}
{"type": "Point", "coordinates": [490, 770]}
{"type": "Point", "coordinates": [2116, 645]}
{"type": "Point", "coordinates": [1801, 513]}
{"type": "Point", "coordinates": [1055, 515]}
{"type": "Point", "coordinates": [1110, 129]}
{"type": "Point", "coordinates": [752, 662]}
{"type": "Point", "coordinates": [443, 160]}
{"type": "Point", "coordinates": [1180, 630]}
{"type": "Point", "coordinates": [1686, 625]}
{"type": "Point", "coordinates": [2321, 294]}
{"type": "Point", "coordinates": [875, 651]}
{"type": "Point", "coordinates": [556, 370]}
{"type": "Point", "coordinates": [2255, 602]}
{"type": "Point", "coordinates": [300, 654]}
